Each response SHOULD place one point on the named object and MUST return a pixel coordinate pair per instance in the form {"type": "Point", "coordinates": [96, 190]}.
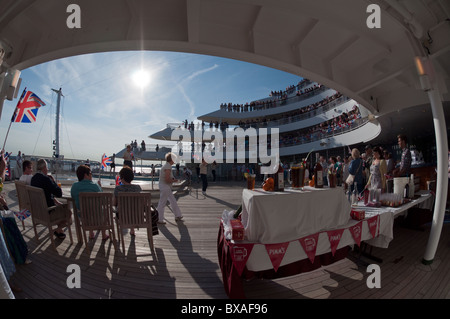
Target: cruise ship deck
{"type": "Point", "coordinates": [185, 264]}
{"type": "Point", "coordinates": [391, 56]}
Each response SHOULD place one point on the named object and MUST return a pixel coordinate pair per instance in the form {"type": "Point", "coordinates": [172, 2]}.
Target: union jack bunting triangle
{"type": "Point", "coordinates": [106, 161]}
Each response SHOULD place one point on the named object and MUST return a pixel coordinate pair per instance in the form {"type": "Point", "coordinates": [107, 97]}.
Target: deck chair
{"type": "Point", "coordinates": [22, 197]}
{"type": "Point", "coordinates": [47, 216]}
{"type": "Point", "coordinates": [96, 214]}
{"type": "Point", "coordinates": [134, 211]}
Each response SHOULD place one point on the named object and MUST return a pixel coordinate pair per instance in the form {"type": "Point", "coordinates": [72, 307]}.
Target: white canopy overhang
{"type": "Point", "coordinates": [328, 41]}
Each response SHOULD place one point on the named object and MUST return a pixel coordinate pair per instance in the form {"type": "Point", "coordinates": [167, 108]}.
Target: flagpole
{"type": "Point", "coordinates": [6, 137]}
{"type": "Point", "coordinates": [10, 122]}
{"type": "Point", "coordinates": [100, 170]}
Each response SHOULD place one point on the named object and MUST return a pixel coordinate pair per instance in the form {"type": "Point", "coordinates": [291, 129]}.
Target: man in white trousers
{"type": "Point", "coordinates": [165, 190]}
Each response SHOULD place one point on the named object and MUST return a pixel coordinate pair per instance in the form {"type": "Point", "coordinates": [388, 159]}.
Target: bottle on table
{"type": "Point", "coordinates": [411, 186]}
{"type": "Point", "coordinates": [279, 180]}
{"type": "Point", "coordinates": [318, 173]}
{"type": "Point", "coordinates": [355, 195]}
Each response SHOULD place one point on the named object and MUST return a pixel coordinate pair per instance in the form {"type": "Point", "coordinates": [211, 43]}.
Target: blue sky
{"type": "Point", "coordinates": [103, 108]}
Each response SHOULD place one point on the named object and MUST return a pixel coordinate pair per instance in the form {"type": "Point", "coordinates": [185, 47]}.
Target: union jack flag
{"type": "Point", "coordinates": [106, 161]}
{"type": "Point", "coordinates": [23, 214]}
{"type": "Point", "coordinates": [118, 181]}
{"type": "Point", "coordinates": [27, 108]}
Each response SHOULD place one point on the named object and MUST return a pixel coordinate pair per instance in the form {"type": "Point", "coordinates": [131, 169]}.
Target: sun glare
{"type": "Point", "coordinates": [141, 78]}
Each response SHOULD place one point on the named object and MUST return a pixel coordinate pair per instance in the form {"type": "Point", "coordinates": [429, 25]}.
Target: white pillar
{"type": "Point", "coordinates": [440, 129]}
{"type": "Point", "coordinates": [442, 182]}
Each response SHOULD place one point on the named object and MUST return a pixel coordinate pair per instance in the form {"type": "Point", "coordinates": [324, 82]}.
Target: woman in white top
{"type": "Point", "coordinates": [166, 180]}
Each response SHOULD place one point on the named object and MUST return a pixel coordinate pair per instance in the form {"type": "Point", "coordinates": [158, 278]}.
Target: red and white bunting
{"type": "Point", "coordinates": [276, 253]}
{"type": "Point", "coordinates": [372, 222]}
{"type": "Point", "coordinates": [334, 236]}
{"type": "Point", "coordinates": [356, 232]}
{"type": "Point", "coordinates": [309, 244]}
{"type": "Point", "coordinates": [240, 254]}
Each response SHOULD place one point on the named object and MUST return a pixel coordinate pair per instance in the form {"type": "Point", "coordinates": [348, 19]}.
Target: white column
{"type": "Point", "coordinates": [440, 129]}
{"type": "Point", "coordinates": [441, 183]}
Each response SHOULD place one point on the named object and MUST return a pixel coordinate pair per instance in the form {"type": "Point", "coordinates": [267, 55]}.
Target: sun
{"type": "Point", "coordinates": [141, 78]}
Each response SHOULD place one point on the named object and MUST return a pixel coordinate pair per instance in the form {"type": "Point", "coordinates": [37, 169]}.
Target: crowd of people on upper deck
{"type": "Point", "coordinates": [291, 88]}
{"type": "Point", "coordinates": [265, 121]}
{"type": "Point", "coordinates": [289, 115]}
{"type": "Point", "coordinates": [279, 99]}
{"type": "Point", "coordinates": [306, 135]}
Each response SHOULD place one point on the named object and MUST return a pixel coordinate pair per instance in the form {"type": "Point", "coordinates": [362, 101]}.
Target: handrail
{"type": "Point", "coordinates": [315, 136]}
{"type": "Point", "coordinates": [318, 135]}
{"type": "Point", "coordinates": [296, 118]}
{"type": "Point", "coordinates": [275, 102]}
{"type": "Point", "coordinates": [283, 121]}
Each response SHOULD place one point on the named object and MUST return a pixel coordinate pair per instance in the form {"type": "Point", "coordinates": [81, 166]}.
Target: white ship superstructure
{"type": "Point", "coordinates": [308, 116]}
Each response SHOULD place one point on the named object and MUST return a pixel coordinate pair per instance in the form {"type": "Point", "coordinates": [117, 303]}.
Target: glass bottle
{"type": "Point", "coordinates": [318, 173]}
{"type": "Point", "coordinates": [279, 179]}
{"type": "Point", "coordinates": [355, 195]}
{"type": "Point", "coordinates": [411, 186]}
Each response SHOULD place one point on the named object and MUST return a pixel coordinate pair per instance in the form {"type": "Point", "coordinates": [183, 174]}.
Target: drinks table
{"type": "Point", "coordinates": [292, 253]}
{"type": "Point", "coordinates": [273, 217]}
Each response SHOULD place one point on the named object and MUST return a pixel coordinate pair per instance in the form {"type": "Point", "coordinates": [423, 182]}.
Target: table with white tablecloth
{"type": "Point", "coordinates": [380, 236]}
{"type": "Point", "coordinates": [273, 217]}
{"type": "Point", "coordinates": [280, 227]}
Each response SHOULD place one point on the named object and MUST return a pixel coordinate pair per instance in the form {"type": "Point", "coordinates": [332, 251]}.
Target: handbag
{"type": "Point", "coordinates": [351, 178]}
{"type": "Point", "coordinates": [155, 217]}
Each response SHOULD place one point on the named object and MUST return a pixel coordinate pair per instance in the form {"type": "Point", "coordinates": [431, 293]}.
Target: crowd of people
{"type": "Point", "coordinates": [278, 99]}
{"type": "Point", "coordinates": [370, 168]}
{"type": "Point", "coordinates": [135, 146]}
{"type": "Point", "coordinates": [265, 121]}
{"type": "Point", "coordinates": [345, 120]}
{"type": "Point", "coordinates": [291, 88]}
{"type": "Point", "coordinates": [191, 126]}
{"type": "Point", "coordinates": [291, 116]}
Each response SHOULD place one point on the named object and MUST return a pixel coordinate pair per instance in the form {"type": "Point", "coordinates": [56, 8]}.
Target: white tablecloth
{"type": "Point", "coordinates": [426, 201]}
{"type": "Point", "coordinates": [259, 259]}
{"type": "Point", "coordinates": [275, 217]}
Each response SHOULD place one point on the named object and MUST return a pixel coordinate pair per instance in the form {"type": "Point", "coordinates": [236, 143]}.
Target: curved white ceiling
{"type": "Point", "coordinates": [327, 41]}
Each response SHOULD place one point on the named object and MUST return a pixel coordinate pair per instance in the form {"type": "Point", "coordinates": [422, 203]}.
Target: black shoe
{"type": "Point", "coordinates": [59, 235]}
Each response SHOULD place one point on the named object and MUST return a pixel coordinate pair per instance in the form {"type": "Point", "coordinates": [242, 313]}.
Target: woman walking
{"type": "Point", "coordinates": [166, 180]}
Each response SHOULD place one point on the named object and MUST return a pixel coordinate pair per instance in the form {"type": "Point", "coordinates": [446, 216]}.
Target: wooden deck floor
{"type": "Point", "coordinates": [185, 263]}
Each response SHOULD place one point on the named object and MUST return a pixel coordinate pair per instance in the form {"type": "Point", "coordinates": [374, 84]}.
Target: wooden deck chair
{"type": "Point", "coordinates": [96, 214]}
{"type": "Point", "coordinates": [134, 212]}
{"type": "Point", "coordinates": [47, 216]}
{"type": "Point", "coordinates": [22, 197]}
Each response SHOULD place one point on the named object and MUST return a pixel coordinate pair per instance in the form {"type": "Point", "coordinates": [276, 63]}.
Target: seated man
{"type": "Point", "coordinates": [85, 185]}
{"type": "Point", "coordinates": [51, 190]}
{"type": "Point", "coordinates": [126, 177]}
{"type": "Point", "coordinates": [27, 172]}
